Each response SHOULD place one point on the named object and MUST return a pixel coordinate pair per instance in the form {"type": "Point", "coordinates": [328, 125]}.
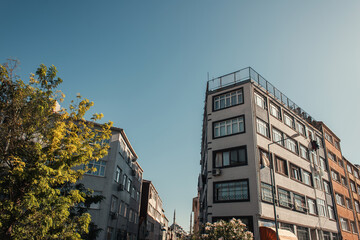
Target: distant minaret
{"type": "Point", "coordinates": [190, 222]}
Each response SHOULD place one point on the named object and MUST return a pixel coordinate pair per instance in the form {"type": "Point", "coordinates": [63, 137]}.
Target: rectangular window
{"type": "Point", "coordinates": [260, 100]}
{"type": "Point", "coordinates": [288, 120]}
{"type": "Point", "coordinates": [277, 136]}
{"type": "Point", "coordinates": [321, 207]}
{"type": "Point", "coordinates": [353, 227]}
{"type": "Point", "coordinates": [340, 199]}
{"type": "Point", "coordinates": [326, 235]}
{"type": "Point", "coordinates": [358, 189]}
{"type": "Point", "coordinates": [231, 191]}
{"type": "Point", "coordinates": [352, 185]}
{"type": "Point", "coordinates": [317, 181]}
{"type": "Point", "coordinates": [99, 167]}
{"type": "Point", "coordinates": [341, 162]}
{"type": "Point", "coordinates": [328, 137]}
{"type": "Point", "coordinates": [266, 192]}
{"type": "Point", "coordinates": [311, 206]}
{"type": "Point", "coordinates": [357, 206]}
{"type": "Point", "coordinates": [337, 145]}
{"type": "Point", "coordinates": [299, 203]}
{"type": "Point", "coordinates": [327, 187]}
{"type": "Point", "coordinates": [343, 181]}
{"type": "Point", "coordinates": [304, 152]}
{"type": "Point", "coordinates": [128, 185]}
{"type": "Point", "coordinates": [113, 204]}
{"type": "Point", "coordinates": [307, 178]}
{"type": "Point", "coordinates": [331, 212]}
{"type": "Point", "coordinates": [109, 233]}
{"type": "Point", "coordinates": [281, 166]}
{"type": "Point", "coordinates": [303, 233]}
{"type": "Point", "coordinates": [319, 141]}
{"type": "Point", "coordinates": [228, 99]}
{"type": "Point", "coordinates": [331, 156]}
{"type": "Point", "coordinates": [301, 128]}
{"type": "Point", "coordinates": [262, 127]}
{"type": "Point", "coordinates": [349, 168]}
{"type": "Point", "coordinates": [291, 145]}
{"type": "Point", "coordinates": [335, 176]}
{"type": "Point", "coordinates": [295, 172]}
{"type": "Point", "coordinates": [323, 164]}
{"type": "Point", "coordinates": [229, 127]}
{"type": "Point", "coordinates": [117, 174]}
{"type": "Point", "coordinates": [356, 174]}
{"type": "Point", "coordinates": [231, 157]}
{"type": "Point", "coordinates": [284, 198]}
{"type": "Point", "coordinates": [275, 111]}
{"type": "Point", "coordinates": [344, 224]}
{"type": "Point", "coordinates": [348, 203]}
{"type": "Point", "coordinates": [124, 181]}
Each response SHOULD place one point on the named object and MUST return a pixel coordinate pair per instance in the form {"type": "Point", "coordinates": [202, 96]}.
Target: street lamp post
{"type": "Point", "coordinates": [272, 179]}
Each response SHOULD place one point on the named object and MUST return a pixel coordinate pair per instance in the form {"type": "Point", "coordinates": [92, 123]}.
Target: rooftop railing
{"type": "Point", "coordinates": [250, 74]}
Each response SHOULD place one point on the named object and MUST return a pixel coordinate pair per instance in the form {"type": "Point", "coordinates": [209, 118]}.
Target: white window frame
{"type": "Point", "coordinates": [260, 100]}
{"type": "Point", "coordinates": [229, 99]}
{"type": "Point", "coordinates": [262, 127]}
{"type": "Point", "coordinates": [275, 111]}
{"type": "Point", "coordinates": [227, 127]}
{"type": "Point", "coordinates": [288, 120]}
{"type": "Point", "coordinates": [321, 207]}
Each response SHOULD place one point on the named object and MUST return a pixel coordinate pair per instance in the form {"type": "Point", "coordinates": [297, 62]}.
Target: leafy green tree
{"type": "Point", "coordinates": [41, 149]}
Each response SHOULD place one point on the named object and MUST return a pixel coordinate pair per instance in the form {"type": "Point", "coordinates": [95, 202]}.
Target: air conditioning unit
{"type": "Point", "coordinates": [216, 172]}
{"type": "Point", "coordinates": [120, 187]}
{"type": "Point", "coordinates": [114, 215]}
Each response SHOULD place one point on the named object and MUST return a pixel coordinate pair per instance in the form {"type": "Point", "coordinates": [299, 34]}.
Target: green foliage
{"type": "Point", "coordinates": [41, 150]}
{"type": "Point", "coordinates": [222, 230]}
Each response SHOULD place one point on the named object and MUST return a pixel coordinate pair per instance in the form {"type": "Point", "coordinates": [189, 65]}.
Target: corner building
{"type": "Point", "coordinates": [244, 116]}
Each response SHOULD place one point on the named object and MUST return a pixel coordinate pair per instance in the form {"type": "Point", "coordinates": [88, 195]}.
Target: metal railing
{"type": "Point", "coordinates": [250, 74]}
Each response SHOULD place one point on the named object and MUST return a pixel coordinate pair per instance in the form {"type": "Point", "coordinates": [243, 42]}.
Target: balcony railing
{"type": "Point", "coordinates": [250, 74]}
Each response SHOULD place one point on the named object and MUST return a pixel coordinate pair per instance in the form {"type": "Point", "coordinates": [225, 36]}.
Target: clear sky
{"type": "Point", "coordinates": [145, 65]}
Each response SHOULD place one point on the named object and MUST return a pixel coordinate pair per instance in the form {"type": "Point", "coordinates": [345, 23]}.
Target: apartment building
{"type": "Point", "coordinates": [249, 129]}
{"type": "Point", "coordinates": [118, 178]}
{"type": "Point", "coordinates": [152, 223]}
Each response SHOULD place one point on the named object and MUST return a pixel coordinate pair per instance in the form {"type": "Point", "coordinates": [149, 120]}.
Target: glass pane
{"type": "Point", "coordinates": [226, 158]}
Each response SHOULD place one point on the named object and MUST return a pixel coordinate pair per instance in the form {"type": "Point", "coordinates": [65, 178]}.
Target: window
{"type": "Point", "coordinates": [328, 137]}
{"type": "Point", "coordinates": [326, 235]}
{"type": "Point", "coordinates": [307, 178]}
{"type": "Point", "coordinates": [231, 191]}
{"type": "Point", "coordinates": [275, 111]}
{"type": "Point", "coordinates": [229, 127]}
{"type": "Point", "coordinates": [340, 199]}
{"type": "Point", "coordinates": [126, 207]}
{"type": "Point", "coordinates": [301, 128]}
{"type": "Point", "coordinates": [303, 233]}
{"type": "Point", "coordinates": [341, 163]}
{"type": "Point", "coordinates": [260, 100]}
{"type": "Point", "coordinates": [95, 205]}
{"type": "Point", "coordinates": [356, 174]}
{"type": "Point", "coordinates": [343, 181]}
{"type": "Point", "coordinates": [131, 215]}
{"type": "Point", "coordinates": [311, 206]}
{"type": "Point", "coordinates": [277, 136]}
{"type": "Point", "coordinates": [331, 156]}
{"type": "Point", "coordinates": [124, 181]}
{"type": "Point", "coordinates": [228, 99]}
{"type": "Point", "coordinates": [266, 192]}
{"type": "Point", "coordinates": [128, 185]}
{"type": "Point", "coordinates": [321, 207]}
{"type": "Point", "coordinates": [349, 168]}
{"type": "Point", "coordinates": [109, 232]}
{"type": "Point", "coordinates": [317, 181]}
{"type": "Point", "coordinates": [358, 189]}
{"type": "Point", "coordinates": [337, 145]}
{"type": "Point", "coordinates": [99, 168]}
{"type": "Point", "coordinates": [357, 206]}
{"type": "Point", "coordinates": [133, 193]}
{"type": "Point", "coordinates": [331, 212]}
{"type": "Point", "coordinates": [323, 164]}
{"type": "Point", "coordinates": [288, 120]}
{"type": "Point", "coordinates": [113, 204]}
{"type": "Point", "coordinates": [299, 203]}
{"type": "Point", "coordinates": [344, 224]}
{"type": "Point", "coordinates": [295, 172]}
{"type": "Point", "coordinates": [262, 127]}
{"type": "Point", "coordinates": [319, 141]}
{"type": "Point", "coordinates": [327, 187]}
{"type": "Point", "coordinates": [348, 203]}
{"type": "Point", "coordinates": [291, 145]}
{"type": "Point", "coordinates": [335, 176]}
{"type": "Point", "coordinates": [284, 198]}
{"type": "Point", "coordinates": [281, 166]}
{"type": "Point", "coordinates": [287, 226]}
{"type": "Point", "coordinates": [231, 157]}
{"type": "Point", "coordinates": [352, 185]}
{"type": "Point", "coordinates": [353, 227]}
{"type": "Point", "coordinates": [117, 174]}
{"type": "Point", "coordinates": [304, 152]}
{"type": "Point", "coordinates": [313, 158]}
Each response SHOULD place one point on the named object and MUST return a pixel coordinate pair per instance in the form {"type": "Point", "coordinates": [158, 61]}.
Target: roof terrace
{"type": "Point", "coordinates": [248, 73]}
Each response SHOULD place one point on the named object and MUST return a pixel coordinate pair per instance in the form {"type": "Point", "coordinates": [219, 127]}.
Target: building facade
{"type": "Point", "coordinates": [118, 178]}
{"type": "Point", "coordinates": [152, 223]}
{"type": "Point", "coordinates": [250, 128]}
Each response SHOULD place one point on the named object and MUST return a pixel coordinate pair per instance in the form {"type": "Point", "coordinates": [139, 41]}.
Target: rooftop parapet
{"type": "Point", "coordinates": [248, 73]}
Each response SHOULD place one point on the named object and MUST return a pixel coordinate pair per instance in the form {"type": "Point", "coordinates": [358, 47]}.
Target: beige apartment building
{"type": "Point", "coordinates": [245, 116]}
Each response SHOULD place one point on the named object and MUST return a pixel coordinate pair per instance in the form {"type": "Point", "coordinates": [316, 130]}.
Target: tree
{"type": "Point", "coordinates": [222, 230]}
{"type": "Point", "coordinates": [41, 150]}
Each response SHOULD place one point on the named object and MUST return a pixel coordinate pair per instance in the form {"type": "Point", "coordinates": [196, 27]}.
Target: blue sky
{"type": "Point", "coordinates": [145, 65]}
